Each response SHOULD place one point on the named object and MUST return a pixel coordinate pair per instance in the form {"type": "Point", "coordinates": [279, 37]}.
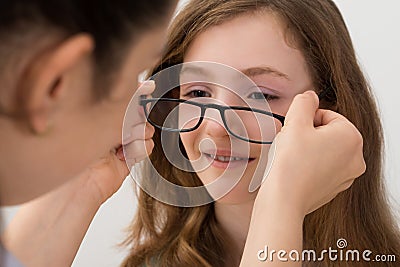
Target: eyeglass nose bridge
{"type": "Point", "coordinates": [222, 109]}
{"type": "Point", "coordinates": [219, 119]}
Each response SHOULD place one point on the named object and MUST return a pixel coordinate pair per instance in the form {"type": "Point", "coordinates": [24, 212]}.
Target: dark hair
{"type": "Point", "coordinates": [112, 24]}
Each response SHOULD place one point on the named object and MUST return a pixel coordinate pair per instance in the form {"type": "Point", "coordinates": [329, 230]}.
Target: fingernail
{"type": "Point", "coordinates": [149, 83]}
{"type": "Point", "coordinates": [313, 94]}
{"type": "Point", "coordinates": [310, 93]}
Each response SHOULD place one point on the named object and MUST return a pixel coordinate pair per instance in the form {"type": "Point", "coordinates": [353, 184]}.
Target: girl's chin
{"type": "Point", "coordinates": [235, 198]}
{"type": "Point", "coordinates": [229, 192]}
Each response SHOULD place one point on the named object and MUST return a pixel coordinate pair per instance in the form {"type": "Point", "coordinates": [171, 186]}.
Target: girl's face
{"type": "Point", "coordinates": [254, 44]}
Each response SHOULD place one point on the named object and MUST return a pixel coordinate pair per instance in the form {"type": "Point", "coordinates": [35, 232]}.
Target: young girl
{"type": "Point", "coordinates": [304, 45]}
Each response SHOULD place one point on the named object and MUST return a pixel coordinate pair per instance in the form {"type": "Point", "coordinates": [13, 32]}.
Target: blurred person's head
{"type": "Point", "coordinates": [68, 70]}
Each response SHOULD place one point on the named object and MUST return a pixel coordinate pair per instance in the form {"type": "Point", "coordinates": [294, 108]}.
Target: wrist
{"type": "Point", "coordinates": [275, 199]}
{"type": "Point", "coordinates": [87, 191]}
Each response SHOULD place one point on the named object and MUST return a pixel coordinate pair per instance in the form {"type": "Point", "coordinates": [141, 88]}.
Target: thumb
{"type": "Point", "coordinates": [302, 110]}
{"type": "Point", "coordinates": [146, 87]}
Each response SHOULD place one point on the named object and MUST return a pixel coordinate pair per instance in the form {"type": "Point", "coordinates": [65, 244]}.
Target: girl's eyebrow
{"type": "Point", "coordinates": [260, 70]}
{"type": "Point", "coordinates": [194, 70]}
{"type": "Point", "coordinates": [249, 72]}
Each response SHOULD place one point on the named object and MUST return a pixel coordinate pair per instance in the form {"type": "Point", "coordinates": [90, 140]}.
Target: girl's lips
{"type": "Point", "coordinates": [225, 161]}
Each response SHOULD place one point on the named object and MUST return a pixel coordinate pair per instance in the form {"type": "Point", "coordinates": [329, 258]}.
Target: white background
{"type": "Point", "coordinates": [374, 26]}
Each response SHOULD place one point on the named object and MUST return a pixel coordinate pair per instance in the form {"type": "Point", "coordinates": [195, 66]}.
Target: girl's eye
{"type": "Point", "coordinates": [197, 93]}
{"type": "Point", "coordinates": [259, 95]}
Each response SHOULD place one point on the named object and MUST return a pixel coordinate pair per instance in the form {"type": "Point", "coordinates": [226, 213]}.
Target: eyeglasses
{"type": "Point", "coordinates": [179, 115]}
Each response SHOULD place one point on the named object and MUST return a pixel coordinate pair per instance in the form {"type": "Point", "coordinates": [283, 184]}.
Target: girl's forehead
{"type": "Point", "coordinates": [247, 37]}
{"type": "Point", "coordinates": [249, 41]}
{"type": "Point", "coordinates": [263, 29]}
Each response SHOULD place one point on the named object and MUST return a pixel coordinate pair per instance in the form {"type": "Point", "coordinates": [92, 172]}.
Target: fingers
{"type": "Point", "coordinates": [343, 134]}
{"type": "Point", "coordinates": [140, 144]}
{"type": "Point", "coordinates": [134, 114]}
{"type": "Point", "coordinates": [324, 117]}
{"type": "Point", "coordinates": [137, 133]}
{"type": "Point", "coordinates": [146, 88]}
{"type": "Point", "coordinates": [121, 167]}
{"type": "Point", "coordinates": [141, 131]}
{"type": "Point", "coordinates": [302, 110]}
{"type": "Point", "coordinates": [137, 151]}
{"type": "Point", "coordinates": [336, 127]}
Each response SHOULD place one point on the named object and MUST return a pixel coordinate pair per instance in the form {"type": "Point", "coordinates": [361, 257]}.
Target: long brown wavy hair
{"type": "Point", "coordinates": [163, 235]}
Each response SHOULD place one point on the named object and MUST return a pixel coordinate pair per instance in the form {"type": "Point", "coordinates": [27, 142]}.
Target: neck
{"type": "Point", "coordinates": [235, 220]}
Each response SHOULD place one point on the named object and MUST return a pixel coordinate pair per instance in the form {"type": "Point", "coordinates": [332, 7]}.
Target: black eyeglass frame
{"type": "Point", "coordinates": [144, 101]}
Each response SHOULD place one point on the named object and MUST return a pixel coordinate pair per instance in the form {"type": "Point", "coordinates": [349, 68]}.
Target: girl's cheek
{"type": "Point", "coordinates": [280, 106]}
{"type": "Point", "coordinates": [186, 139]}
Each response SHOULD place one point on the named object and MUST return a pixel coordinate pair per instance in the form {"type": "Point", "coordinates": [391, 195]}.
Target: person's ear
{"type": "Point", "coordinates": [43, 84]}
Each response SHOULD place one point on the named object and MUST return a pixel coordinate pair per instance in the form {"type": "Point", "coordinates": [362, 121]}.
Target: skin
{"type": "Point", "coordinates": [290, 192]}
{"type": "Point", "coordinates": [64, 131]}
{"type": "Point", "coordinates": [269, 50]}
{"type": "Point", "coordinates": [259, 43]}
{"type": "Point", "coordinates": [294, 190]}
{"type": "Point", "coordinates": [61, 117]}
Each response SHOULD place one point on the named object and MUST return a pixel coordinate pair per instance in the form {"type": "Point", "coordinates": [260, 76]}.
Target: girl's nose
{"type": "Point", "coordinates": [213, 125]}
